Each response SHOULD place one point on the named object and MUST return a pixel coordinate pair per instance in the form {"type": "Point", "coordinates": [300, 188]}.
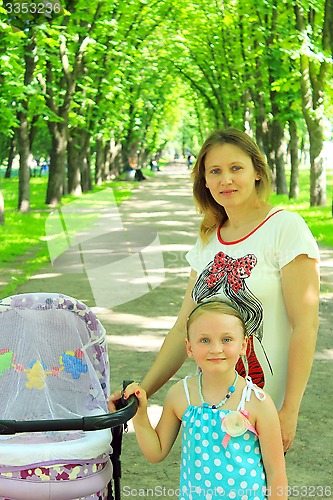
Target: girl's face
{"type": "Point", "coordinates": [230, 176]}
{"type": "Point", "coordinates": [216, 341]}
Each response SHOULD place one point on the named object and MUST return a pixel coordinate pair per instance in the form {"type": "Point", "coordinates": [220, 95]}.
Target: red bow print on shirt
{"type": "Point", "coordinates": [235, 269]}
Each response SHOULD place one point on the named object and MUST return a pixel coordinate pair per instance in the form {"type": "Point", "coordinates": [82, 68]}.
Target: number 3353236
{"type": "Point", "coordinates": [33, 8]}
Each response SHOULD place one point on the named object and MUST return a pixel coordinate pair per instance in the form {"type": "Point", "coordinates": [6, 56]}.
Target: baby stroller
{"type": "Point", "coordinates": [55, 431]}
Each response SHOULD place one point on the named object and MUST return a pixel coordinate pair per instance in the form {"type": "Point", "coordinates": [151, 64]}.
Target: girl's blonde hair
{"type": "Point", "coordinates": [214, 214]}
{"type": "Point", "coordinates": [218, 306]}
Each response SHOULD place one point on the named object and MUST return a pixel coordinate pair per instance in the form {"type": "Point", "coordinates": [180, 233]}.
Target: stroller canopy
{"type": "Point", "coordinates": [53, 358]}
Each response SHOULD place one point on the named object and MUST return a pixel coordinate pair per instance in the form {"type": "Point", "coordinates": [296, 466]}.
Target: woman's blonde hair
{"type": "Point", "coordinates": [218, 306]}
{"type": "Point", "coordinates": [214, 214]}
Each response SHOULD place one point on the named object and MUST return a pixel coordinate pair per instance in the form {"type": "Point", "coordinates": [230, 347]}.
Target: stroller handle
{"type": "Point", "coordinates": [92, 423]}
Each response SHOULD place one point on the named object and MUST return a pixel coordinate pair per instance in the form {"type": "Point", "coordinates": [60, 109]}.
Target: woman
{"type": "Point", "coordinates": [263, 260]}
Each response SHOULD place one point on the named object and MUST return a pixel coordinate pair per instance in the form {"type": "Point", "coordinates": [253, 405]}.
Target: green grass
{"type": "Point", "coordinates": [319, 219]}
{"type": "Point", "coordinates": [23, 240]}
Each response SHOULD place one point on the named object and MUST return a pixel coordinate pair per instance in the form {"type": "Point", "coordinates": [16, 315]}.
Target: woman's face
{"type": "Point", "coordinates": [230, 176]}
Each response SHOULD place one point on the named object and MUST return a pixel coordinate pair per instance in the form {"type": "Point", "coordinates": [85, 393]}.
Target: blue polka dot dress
{"type": "Point", "coordinates": [214, 464]}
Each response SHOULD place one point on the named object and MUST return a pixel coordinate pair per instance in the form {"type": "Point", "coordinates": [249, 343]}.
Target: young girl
{"type": "Point", "coordinates": [231, 438]}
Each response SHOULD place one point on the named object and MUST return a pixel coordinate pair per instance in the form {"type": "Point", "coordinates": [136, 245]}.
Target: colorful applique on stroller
{"type": "Point", "coordinates": [55, 430]}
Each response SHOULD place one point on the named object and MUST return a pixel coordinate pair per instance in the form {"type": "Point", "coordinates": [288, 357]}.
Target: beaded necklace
{"type": "Point", "coordinates": [221, 403]}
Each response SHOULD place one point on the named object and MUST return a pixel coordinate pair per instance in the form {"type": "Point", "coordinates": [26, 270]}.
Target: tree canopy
{"type": "Point", "coordinates": [94, 84]}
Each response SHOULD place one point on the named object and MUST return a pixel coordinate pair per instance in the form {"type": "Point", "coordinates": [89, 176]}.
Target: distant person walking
{"type": "Point", "coordinates": [190, 160]}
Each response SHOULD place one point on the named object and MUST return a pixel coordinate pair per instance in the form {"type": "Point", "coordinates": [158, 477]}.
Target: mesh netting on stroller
{"type": "Point", "coordinates": [55, 437]}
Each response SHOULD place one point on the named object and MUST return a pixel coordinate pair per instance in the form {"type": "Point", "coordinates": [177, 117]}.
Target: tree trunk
{"type": "Point", "coordinates": [55, 187]}
{"type": "Point", "coordinates": [294, 160]}
{"type": "Point", "coordinates": [114, 155]}
{"type": "Point", "coordinates": [73, 173]}
{"type": "Point", "coordinates": [2, 209]}
{"type": "Point", "coordinates": [312, 89]}
{"type": "Point", "coordinates": [25, 163]}
{"type": "Point", "coordinates": [144, 157]}
{"type": "Point", "coordinates": [99, 163]}
{"type": "Point", "coordinates": [270, 156]}
{"type": "Point", "coordinates": [261, 131]}
{"type": "Point", "coordinates": [86, 182]}
{"type": "Point", "coordinates": [84, 161]}
{"type": "Point", "coordinates": [104, 161]}
{"type": "Point", "coordinates": [24, 143]}
{"type": "Point", "coordinates": [314, 121]}
{"type": "Point", "coordinates": [11, 156]}
{"type": "Point", "coordinates": [107, 162]}
{"type": "Point", "coordinates": [317, 164]}
{"type": "Point", "coordinates": [278, 150]}
{"type": "Point", "coordinates": [328, 26]}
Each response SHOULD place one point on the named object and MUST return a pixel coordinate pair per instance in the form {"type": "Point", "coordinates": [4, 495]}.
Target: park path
{"type": "Point", "coordinates": [163, 205]}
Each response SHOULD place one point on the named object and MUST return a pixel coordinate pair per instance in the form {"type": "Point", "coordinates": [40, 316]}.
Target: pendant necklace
{"type": "Point", "coordinates": [221, 403]}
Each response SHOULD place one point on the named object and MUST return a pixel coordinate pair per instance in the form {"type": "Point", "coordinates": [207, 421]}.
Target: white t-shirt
{"type": "Point", "coordinates": [246, 272]}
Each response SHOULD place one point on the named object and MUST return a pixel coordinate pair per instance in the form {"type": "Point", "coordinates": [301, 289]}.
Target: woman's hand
{"type": "Point", "coordinates": [288, 423]}
{"type": "Point", "coordinates": [113, 401]}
